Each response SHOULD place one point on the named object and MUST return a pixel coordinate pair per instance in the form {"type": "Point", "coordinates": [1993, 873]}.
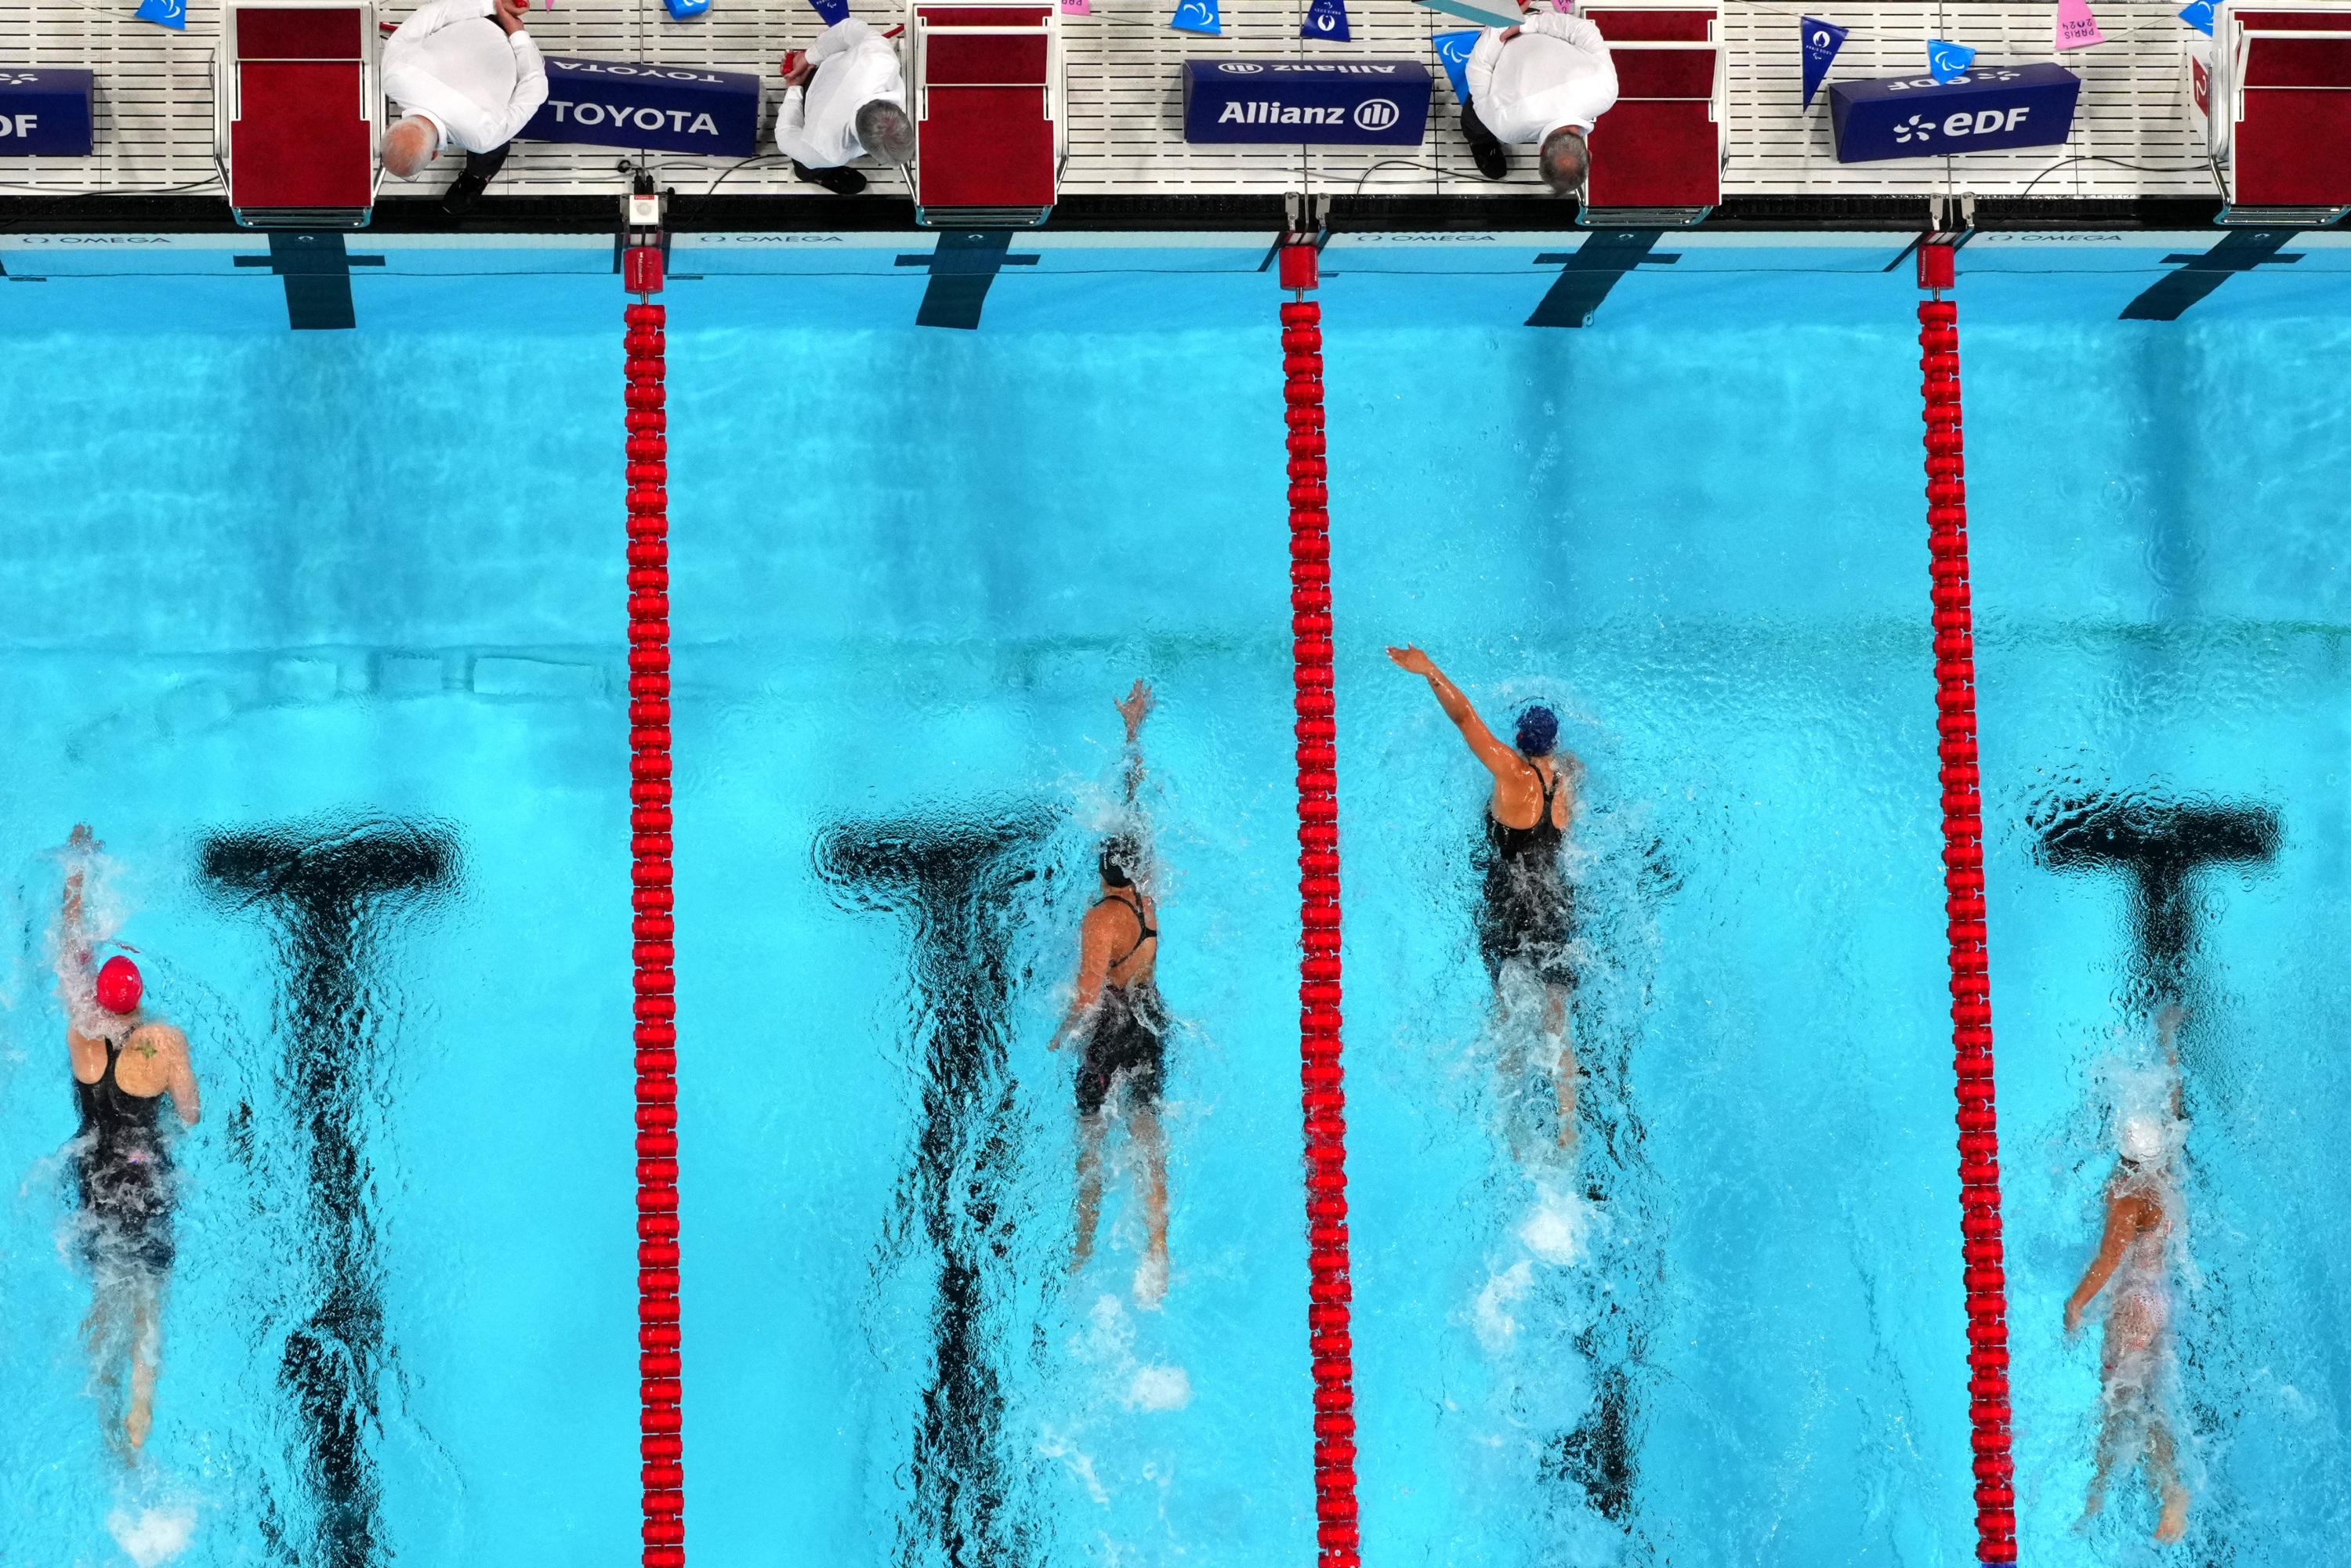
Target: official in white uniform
{"type": "Point", "coordinates": [1543, 83]}
{"type": "Point", "coordinates": [845, 100]}
{"type": "Point", "coordinates": [465, 74]}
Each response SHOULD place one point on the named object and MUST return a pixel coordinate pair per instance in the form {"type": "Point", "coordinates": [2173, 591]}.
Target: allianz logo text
{"type": "Point", "coordinates": [1372, 114]}
{"type": "Point", "coordinates": [1253, 68]}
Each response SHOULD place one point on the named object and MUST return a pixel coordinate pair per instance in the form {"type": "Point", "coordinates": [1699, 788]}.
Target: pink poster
{"type": "Point", "coordinates": [2076, 28]}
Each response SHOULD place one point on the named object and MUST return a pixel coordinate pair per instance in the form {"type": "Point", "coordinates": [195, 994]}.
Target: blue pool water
{"type": "Point", "coordinates": [346, 607]}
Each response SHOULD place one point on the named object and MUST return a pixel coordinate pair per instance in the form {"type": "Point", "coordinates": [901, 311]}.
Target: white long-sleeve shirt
{"type": "Point", "coordinates": [1555, 73]}
{"type": "Point", "coordinates": [452, 63]}
{"type": "Point", "coordinates": [854, 65]}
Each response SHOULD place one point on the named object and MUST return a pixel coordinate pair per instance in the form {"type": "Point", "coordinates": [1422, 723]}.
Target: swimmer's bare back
{"type": "Point", "coordinates": [1116, 926]}
{"type": "Point", "coordinates": [154, 1061]}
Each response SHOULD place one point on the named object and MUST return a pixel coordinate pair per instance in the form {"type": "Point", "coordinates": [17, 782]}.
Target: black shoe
{"type": "Point", "coordinates": [1492, 161]}
{"type": "Point", "coordinates": [463, 193]}
{"type": "Point", "coordinates": [839, 181]}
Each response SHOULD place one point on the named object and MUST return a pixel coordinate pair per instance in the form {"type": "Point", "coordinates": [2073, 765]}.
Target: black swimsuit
{"type": "Point", "coordinates": [1529, 914]}
{"type": "Point", "coordinates": [124, 1174]}
{"type": "Point", "coordinates": [1129, 1032]}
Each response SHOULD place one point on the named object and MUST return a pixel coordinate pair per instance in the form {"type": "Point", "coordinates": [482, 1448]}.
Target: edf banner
{"type": "Point", "coordinates": [668, 109]}
{"type": "Point", "coordinates": [1987, 110]}
{"type": "Point", "coordinates": [45, 112]}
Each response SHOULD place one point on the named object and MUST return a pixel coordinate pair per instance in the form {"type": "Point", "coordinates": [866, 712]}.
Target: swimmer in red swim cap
{"type": "Point", "coordinates": [125, 1064]}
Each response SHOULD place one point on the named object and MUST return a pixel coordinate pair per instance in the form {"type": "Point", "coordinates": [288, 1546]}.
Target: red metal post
{"type": "Point", "coordinates": [1963, 886]}
{"type": "Point", "coordinates": [1323, 1081]}
{"type": "Point", "coordinates": [661, 1430]}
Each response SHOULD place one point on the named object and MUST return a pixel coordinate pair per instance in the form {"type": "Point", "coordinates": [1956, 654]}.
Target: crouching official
{"type": "Point", "coordinates": [465, 74]}
{"type": "Point", "coordinates": [847, 98]}
{"type": "Point", "coordinates": [1543, 84]}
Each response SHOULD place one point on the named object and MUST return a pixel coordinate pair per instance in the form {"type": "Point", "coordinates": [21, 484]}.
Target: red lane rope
{"type": "Point", "coordinates": [1323, 1080]}
{"type": "Point", "coordinates": [661, 1443]}
{"type": "Point", "coordinates": [1963, 886]}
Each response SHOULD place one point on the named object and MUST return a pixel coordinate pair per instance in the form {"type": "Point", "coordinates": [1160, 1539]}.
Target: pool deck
{"type": "Point", "coordinates": [1126, 133]}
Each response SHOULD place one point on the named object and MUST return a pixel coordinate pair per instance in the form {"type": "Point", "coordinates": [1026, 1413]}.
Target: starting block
{"type": "Point", "coordinates": [1658, 156]}
{"type": "Point", "coordinates": [2271, 92]}
{"type": "Point", "coordinates": [298, 112]}
{"type": "Point", "coordinates": [990, 112]}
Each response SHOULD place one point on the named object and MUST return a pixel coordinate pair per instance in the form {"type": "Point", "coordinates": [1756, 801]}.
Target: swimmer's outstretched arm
{"type": "Point", "coordinates": [73, 942]}
{"type": "Point", "coordinates": [1135, 709]}
{"type": "Point", "coordinates": [1497, 757]}
{"type": "Point", "coordinates": [1093, 970]}
{"type": "Point", "coordinates": [2123, 1216]}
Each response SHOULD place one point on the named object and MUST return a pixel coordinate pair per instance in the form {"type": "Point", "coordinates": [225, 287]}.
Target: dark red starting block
{"type": "Point", "coordinates": [988, 111]}
{"type": "Point", "coordinates": [298, 112]}
{"type": "Point", "coordinates": [1656, 157]}
{"type": "Point", "coordinates": [2274, 92]}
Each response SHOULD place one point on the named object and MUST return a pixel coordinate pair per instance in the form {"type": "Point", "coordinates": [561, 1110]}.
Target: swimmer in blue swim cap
{"type": "Point", "coordinates": [1527, 918]}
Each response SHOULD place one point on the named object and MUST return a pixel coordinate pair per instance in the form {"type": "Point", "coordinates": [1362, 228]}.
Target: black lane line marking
{"type": "Point", "coordinates": [333, 895]}
{"type": "Point", "coordinates": [959, 883]}
{"type": "Point", "coordinates": [1587, 273]}
{"type": "Point", "coordinates": [316, 268]}
{"type": "Point", "coordinates": [963, 264]}
{"type": "Point", "coordinates": [2240, 251]}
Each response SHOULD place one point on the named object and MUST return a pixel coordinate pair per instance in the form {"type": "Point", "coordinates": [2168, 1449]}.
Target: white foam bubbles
{"type": "Point", "coordinates": [153, 1536]}
{"type": "Point", "coordinates": [1159, 1388]}
{"type": "Point", "coordinates": [1557, 1228]}
{"type": "Point", "coordinates": [1489, 1314]}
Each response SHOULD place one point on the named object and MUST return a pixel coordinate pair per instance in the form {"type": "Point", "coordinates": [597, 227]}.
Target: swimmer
{"type": "Point", "coordinates": [125, 1061]}
{"type": "Point", "coordinates": [2138, 1357]}
{"type": "Point", "coordinates": [1528, 916]}
{"type": "Point", "coordinates": [1116, 1019]}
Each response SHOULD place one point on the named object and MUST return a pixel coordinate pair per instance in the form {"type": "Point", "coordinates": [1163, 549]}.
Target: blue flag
{"type": "Point", "coordinates": [1197, 16]}
{"type": "Point", "coordinates": [1453, 54]}
{"type": "Point", "coordinates": [175, 13]}
{"type": "Point", "coordinates": [1326, 19]}
{"type": "Point", "coordinates": [1948, 62]}
{"type": "Point", "coordinates": [2197, 16]}
{"type": "Point", "coordinates": [833, 13]}
{"type": "Point", "coordinates": [686, 10]}
{"type": "Point", "coordinates": [1821, 42]}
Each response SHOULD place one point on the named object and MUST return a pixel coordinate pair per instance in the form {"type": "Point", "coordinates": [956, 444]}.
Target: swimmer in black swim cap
{"type": "Point", "coordinates": [1120, 1026]}
{"type": "Point", "coordinates": [1527, 918]}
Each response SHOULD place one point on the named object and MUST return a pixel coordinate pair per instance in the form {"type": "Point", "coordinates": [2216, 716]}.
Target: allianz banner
{"type": "Point", "coordinates": [1988, 109]}
{"type": "Point", "coordinates": [668, 109]}
{"type": "Point", "coordinates": [1378, 102]}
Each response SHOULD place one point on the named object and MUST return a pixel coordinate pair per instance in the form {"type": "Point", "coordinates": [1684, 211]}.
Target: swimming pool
{"type": "Point", "coordinates": [347, 606]}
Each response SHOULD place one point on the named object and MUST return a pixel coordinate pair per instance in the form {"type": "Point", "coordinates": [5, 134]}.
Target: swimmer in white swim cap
{"type": "Point", "coordinates": [2138, 1357]}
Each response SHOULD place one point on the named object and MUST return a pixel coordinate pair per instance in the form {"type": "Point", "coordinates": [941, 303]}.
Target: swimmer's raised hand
{"type": "Point", "coordinates": [1411, 658]}
{"type": "Point", "coordinates": [1135, 708]}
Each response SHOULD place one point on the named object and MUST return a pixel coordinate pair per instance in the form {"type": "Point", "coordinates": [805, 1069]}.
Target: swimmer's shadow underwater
{"type": "Point", "coordinates": [961, 886]}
